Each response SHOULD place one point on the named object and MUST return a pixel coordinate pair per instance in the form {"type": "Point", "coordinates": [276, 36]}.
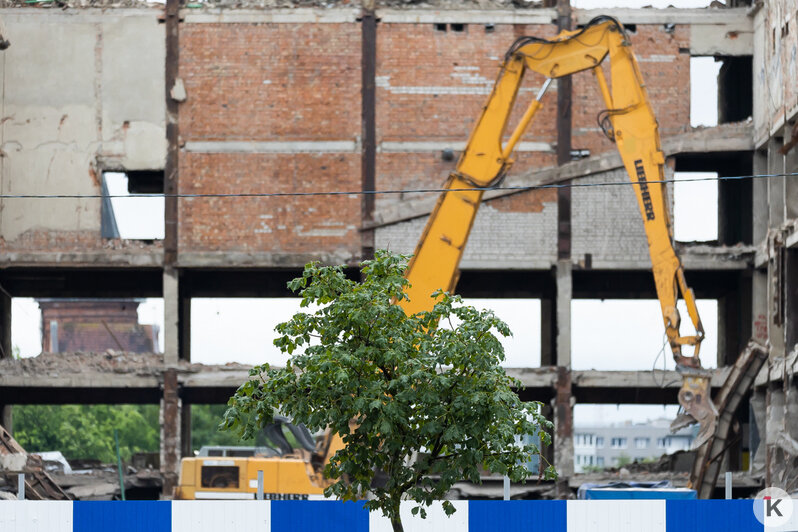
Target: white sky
{"type": "Point", "coordinates": [607, 335]}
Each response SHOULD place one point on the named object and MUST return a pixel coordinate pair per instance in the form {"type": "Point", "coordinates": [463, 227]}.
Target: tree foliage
{"type": "Point", "coordinates": [426, 405]}
{"type": "Point", "coordinates": [205, 421]}
{"type": "Point", "coordinates": [87, 431]}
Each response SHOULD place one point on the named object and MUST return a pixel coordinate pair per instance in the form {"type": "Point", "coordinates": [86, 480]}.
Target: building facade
{"type": "Point", "coordinates": [209, 103]}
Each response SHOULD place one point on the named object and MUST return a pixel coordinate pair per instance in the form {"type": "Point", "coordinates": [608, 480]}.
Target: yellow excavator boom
{"type": "Point", "coordinates": [628, 121]}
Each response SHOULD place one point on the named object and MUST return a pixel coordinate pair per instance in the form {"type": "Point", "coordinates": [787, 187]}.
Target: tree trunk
{"type": "Point", "coordinates": [397, 525]}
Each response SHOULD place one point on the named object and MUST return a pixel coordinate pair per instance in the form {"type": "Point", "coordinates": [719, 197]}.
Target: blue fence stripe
{"type": "Point", "coordinates": [517, 516]}
{"type": "Point", "coordinates": [711, 515]}
{"type": "Point", "coordinates": [122, 516]}
{"type": "Point", "coordinates": [313, 516]}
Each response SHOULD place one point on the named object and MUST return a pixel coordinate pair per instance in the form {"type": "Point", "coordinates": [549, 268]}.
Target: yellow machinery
{"type": "Point", "coordinates": [629, 122]}
{"type": "Point", "coordinates": [296, 475]}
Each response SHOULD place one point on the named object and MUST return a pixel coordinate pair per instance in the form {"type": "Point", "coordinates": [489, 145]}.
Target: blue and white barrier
{"type": "Point", "coordinates": [331, 516]}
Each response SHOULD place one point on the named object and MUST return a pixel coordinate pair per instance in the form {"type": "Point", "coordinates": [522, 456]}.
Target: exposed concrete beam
{"type": "Point", "coordinates": [300, 146]}
{"type": "Point", "coordinates": [81, 15]}
{"type": "Point", "coordinates": [133, 258]}
{"type": "Point", "coordinates": [466, 16]}
{"type": "Point", "coordinates": [439, 146]}
{"type": "Point", "coordinates": [729, 39]}
{"type": "Point", "coordinates": [239, 259]}
{"type": "Point", "coordinates": [270, 16]}
{"type": "Point", "coordinates": [724, 138]}
{"type": "Point", "coordinates": [671, 15]}
{"type": "Point", "coordinates": [204, 377]}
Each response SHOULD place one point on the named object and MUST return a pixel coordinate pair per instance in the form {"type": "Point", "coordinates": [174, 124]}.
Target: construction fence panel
{"type": "Point", "coordinates": [471, 516]}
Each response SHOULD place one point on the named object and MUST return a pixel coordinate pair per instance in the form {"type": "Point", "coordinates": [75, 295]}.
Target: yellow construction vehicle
{"type": "Point", "coordinates": [629, 122]}
{"type": "Point", "coordinates": [289, 472]}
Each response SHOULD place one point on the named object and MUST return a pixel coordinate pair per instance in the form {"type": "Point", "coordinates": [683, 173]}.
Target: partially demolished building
{"type": "Point", "coordinates": [306, 96]}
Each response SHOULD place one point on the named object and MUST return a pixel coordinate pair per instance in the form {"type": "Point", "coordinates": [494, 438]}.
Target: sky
{"type": "Point", "coordinates": [606, 335]}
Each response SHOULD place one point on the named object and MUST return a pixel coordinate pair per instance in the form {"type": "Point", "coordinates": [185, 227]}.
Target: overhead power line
{"type": "Point", "coordinates": [519, 188]}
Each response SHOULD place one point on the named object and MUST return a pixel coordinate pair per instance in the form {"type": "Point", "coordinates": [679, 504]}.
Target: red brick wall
{"type": "Point", "coordinates": [294, 82]}
{"type": "Point", "coordinates": [281, 225]}
{"type": "Point", "coordinates": [270, 82]}
{"type": "Point", "coordinates": [266, 82]}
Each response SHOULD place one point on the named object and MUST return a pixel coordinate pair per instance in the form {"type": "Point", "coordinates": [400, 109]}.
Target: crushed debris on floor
{"type": "Point", "coordinates": [109, 361]}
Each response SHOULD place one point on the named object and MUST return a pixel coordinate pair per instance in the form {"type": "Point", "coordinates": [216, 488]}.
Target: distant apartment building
{"type": "Point", "coordinates": [614, 445]}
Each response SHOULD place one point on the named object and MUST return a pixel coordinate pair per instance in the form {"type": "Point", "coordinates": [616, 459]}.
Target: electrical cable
{"type": "Point", "coordinates": [518, 188]}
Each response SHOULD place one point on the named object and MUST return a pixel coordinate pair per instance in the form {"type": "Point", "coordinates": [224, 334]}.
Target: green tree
{"type": "Point", "coordinates": [87, 431]}
{"type": "Point", "coordinates": [205, 420]}
{"type": "Point", "coordinates": [410, 388]}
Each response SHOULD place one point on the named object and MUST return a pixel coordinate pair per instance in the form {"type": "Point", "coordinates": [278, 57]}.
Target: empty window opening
{"type": "Point", "coordinates": [440, 27]}
{"type": "Point", "coordinates": [251, 321]}
{"type": "Point", "coordinates": [704, 91]}
{"type": "Point", "coordinates": [59, 325]}
{"type": "Point", "coordinates": [735, 89]}
{"type": "Point", "coordinates": [622, 434]}
{"type": "Point", "coordinates": [26, 327]}
{"type": "Point", "coordinates": [90, 434]}
{"type": "Point", "coordinates": [695, 207]}
{"type": "Point", "coordinates": [626, 334]}
{"type": "Point", "coordinates": [133, 206]}
{"type": "Point", "coordinates": [457, 27]}
{"type": "Point", "coordinates": [630, 28]}
{"type": "Point", "coordinates": [490, 28]}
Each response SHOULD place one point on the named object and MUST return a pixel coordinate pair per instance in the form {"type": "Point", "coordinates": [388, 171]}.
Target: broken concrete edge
{"type": "Point", "coordinates": [19, 463]}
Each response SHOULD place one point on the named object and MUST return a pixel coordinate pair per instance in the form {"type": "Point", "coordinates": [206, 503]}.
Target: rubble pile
{"type": "Point", "coordinates": [109, 361]}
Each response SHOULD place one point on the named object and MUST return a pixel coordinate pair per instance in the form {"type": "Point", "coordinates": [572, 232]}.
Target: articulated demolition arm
{"type": "Point", "coordinates": [628, 121]}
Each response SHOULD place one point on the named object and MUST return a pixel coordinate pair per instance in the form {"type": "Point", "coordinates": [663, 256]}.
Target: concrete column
{"type": "Point", "coordinates": [791, 183]}
{"type": "Point", "coordinates": [760, 199]}
{"type": "Point", "coordinates": [775, 424]}
{"type": "Point", "coordinates": [563, 407]}
{"type": "Point", "coordinates": [776, 185]}
{"type": "Point", "coordinates": [757, 443]}
{"type": "Point", "coordinates": [759, 304]}
{"type": "Point", "coordinates": [5, 325]}
{"type": "Point", "coordinates": [775, 198]}
{"type": "Point", "coordinates": [171, 317]}
{"type": "Point", "coordinates": [5, 352]}
{"type": "Point", "coordinates": [185, 431]}
{"type": "Point", "coordinates": [564, 296]}
{"type": "Point", "coordinates": [548, 324]}
{"type": "Point", "coordinates": [6, 418]}
{"type": "Point", "coordinates": [170, 431]}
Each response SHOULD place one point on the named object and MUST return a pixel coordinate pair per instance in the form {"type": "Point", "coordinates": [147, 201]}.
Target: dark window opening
{"type": "Point", "coordinates": [735, 89]}
{"type": "Point", "coordinates": [734, 198]}
{"type": "Point", "coordinates": [630, 28]}
{"type": "Point", "coordinates": [490, 28]}
{"type": "Point", "coordinates": [457, 27]}
{"type": "Point", "coordinates": [145, 181]}
{"type": "Point", "coordinates": [440, 27]}
{"type": "Point", "coordinates": [219, 477]}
